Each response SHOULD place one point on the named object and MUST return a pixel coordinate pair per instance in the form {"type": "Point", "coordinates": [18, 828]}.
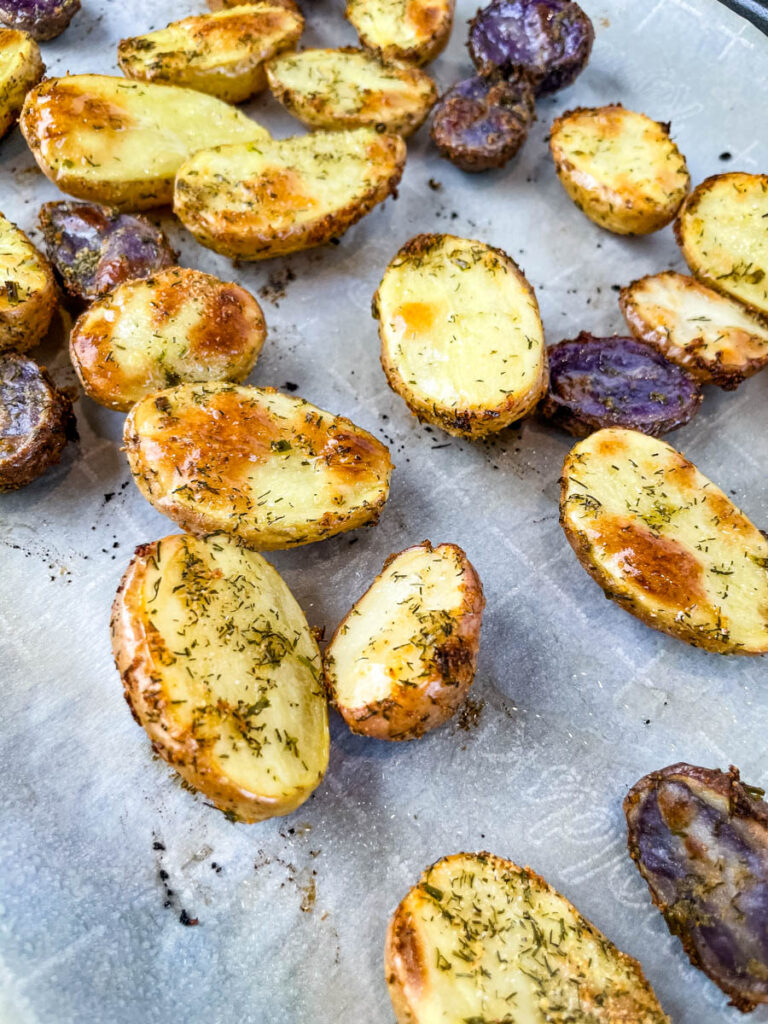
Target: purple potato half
{"type": "Point", "coordinates": [482, 122]}
{"type": "Point", "coordinates": [699, 837]}
{"type": "Point", "coordinates": [43, 19]}
{"type": "Point", "coordinates": [548, 40]}
{"type": "Point", "coordinates": [616, 382]}
{"type": "Point", "coordinates": [95, 248]}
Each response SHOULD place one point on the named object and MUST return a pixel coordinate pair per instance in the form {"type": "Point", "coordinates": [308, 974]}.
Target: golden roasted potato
{"type": "Point", "coordinates": [413, 31]}
{"type": "Point", "coordinates": [348, 88]}
{"type": "Point", "coordinates": [180, 325]}
{"type": "Point", "coordinates": [721, 229]}
{"type": "Point", "coordinates": [120, 142]}
{"type": "Point", "coordinates": [21, 67]}
{"type": "Point", "coordinates": [665, 543]}
{"type": "Point", "coordinates": [461, 336]}
{"type": "Point", "coordinates": [27, 292]}
{"type": "Point", "coordinates": [222, 54]}
{"type": "Point", "coordinates": [620, 168]}
{"type": "Point", "coordinates": [222, 670]}
{"type": "Point", "coordinates": [481, 939]}
{"type": "Point", "coordinates": [403, 659]}
{"type": "Point", "coordinates": [272, 198]}
{"type": "Point", "coordinates": [270, 469]}
{"type": "Point", "coordinates": [714, 337]}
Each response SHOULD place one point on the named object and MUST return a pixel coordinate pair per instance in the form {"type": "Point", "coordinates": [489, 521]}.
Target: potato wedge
{"type": "Point", "coordinates": [350, 88]}
{"type": "Point", "coordinates": [402, 660]}
{"type": "Point", "coordinates": [180, 325]}
{"type": "Point", "coordinates": [27, 293]}
{"type": "Point", "coordinates": [271, 198]}
{"type": "Point", "coordinates": [413, 31]}
{"type": "Point", "coordinates": [620, 168]}
{"type": "Point", "coordinates": [715, 338]}
{"type": "Point", "coordinates": [120, 142]}
{"type": "Point", "coordinates": [21, 68]}
{"type": "Point", "coordinates": [222, 670]}
{"type": "Point", "coordinates": [665, 543]}
{"type": "Point", "coordinates": [461, 336]}
{"type": "Point", "coordinates": [721, 230]}
{"type": "Point", "coordinates": [270, 469]}
{"type": "Point", "coordinates": [481, 939]}
{"type": "Point", "coordinates": [221, 54]}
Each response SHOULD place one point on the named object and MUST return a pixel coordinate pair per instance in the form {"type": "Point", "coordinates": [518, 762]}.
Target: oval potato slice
{"type": "Point", "coordinates": [461, 336]}
{"type": "Point", "coordinates": [348, 88]}
{"type": "Point", "coordinates": [180, 325]}
{"type": "Point", "coordinates": [21, 67]}
{"type": "Point", "coordinates": [222, 670]}
{"type": "Point", "coordinates": [221, 54]}
{"type": "Point", "coordinates": [620, 168]}
{"type": "Point", "coordinates": [481, 939]}
{"type": "Point", "coordinates": [272, 198]}
{"type": "Point", "coordinates": [413, 31]}
{"type": "Point", "coordinates": [270, 469]}
{"type": "Point", "coordinates": [721, 230]}
{"type": "Point", "coordinates": [665, 543]}
{"type": "Point", "coordinates": [27, 292]}
{"type": "Point", "coordinates": [402, 660]}
{"type": "Point", "coordinates": [120, 142]}
{"type": "Point", "coordinates": [715, 338]}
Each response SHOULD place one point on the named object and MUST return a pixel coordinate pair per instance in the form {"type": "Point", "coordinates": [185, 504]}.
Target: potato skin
{"type": "Point", "coordinates": [42, 19]}
{"type": "Point", "coordinates": [26, 72]}
{"type": "Point", "coordinates": [28, 298]}
{"type": "Point", "coordinates": [430, 20]}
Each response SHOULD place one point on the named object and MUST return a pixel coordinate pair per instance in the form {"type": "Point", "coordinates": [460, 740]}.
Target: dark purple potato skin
{"type": "Point", "coordinates": [700, 840]}
{"type": "Point", "coordinates": [548, 40]}
{"type": "Point", "coordinates": [616, 382]}
{"type": "Point", "coordinates": [481, 123]}
{"type": "Point", "coordinates": [36, 421]}
{"type": "Point", "coordinates": [95, 248]}
{"type": "Point", "coordinates": [43, 19]}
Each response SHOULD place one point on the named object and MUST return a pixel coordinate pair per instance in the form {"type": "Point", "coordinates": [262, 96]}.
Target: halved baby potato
{"type": "Point", "coordinates": [481, 939]}
{"type": "Point", "coordinates": [665, 543]}
{"type": "Point", "coordinates": [403, 659]}
{"type": "Point", "coordinates": [461, 336]}
{"type": "Point", "coordinates": [348, 88]}
{"type": "Point", "coordinates": [21, 67]}
{"type": "Point", "coordinates": [717, 339]}
{"type": "Point", "coordinates": [27, 291]}
{"type": "Point", "coordinates": [722, 232]}
{"type": "Point", "coordinates": [268, 468]}
{"type": "Point", "coordinates": [620, 168]}
{"type": "Point", "coordinates": [221, 669]}
{"type": "Point", "coordinates": [221, 54]}
{"type": "Point", "coordinates": [121, 142]}
{"type": "Point", "coordinates": [413, 31]}
{"type": "Point", "coordinates": [271, 198]}
{"type": "Point", "coordinates": [180, 325]}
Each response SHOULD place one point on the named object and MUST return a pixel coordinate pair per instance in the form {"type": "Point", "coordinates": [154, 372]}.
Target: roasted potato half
{"type": "Point", "coordinates": [222, 670]}
{"type": "Point", "coordinates": [349, 88]}
{"type": "Point", "coordinates": [222, 54]}
{"type": "Point", "coordinates": [715, 338]}
{"type": "Point", "coordinates": [481, 939]}
{"type": "Point", "coordinates": [180, 325]}
{"type": "Point", "coordinates": [271, 198]}
{"type": "Point", "coordinates": [270, 469]}
{"type": "Point", "coordinates": [120, 142]}
{"type": "Point", "coordinates": [620, 168]}
{"type": "Point", "coordinates": [27, 292]}
{"type": "Point", "coordinates": [42, 19]}
{"type": "Point", "coordinates": [21, 67]}
{"type": "Point", "coordinates": [403, 659]}
{"type": "Point", "coordinates": [461, 336]}
{"type": "Point", "coordinates": [413, 31]}
{"type": "Point", "coordinates": [665, 543]}
{"type": "Point", "coordinates": [721, 230]}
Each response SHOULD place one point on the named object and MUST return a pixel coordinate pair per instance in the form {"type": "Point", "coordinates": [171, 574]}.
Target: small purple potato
{"type": "Point", "coordinates": [482, 122]}
{"type": "Point", "coordinates": [95, 248]}
{"type": "Point", "coordinates": [699, 837]}
{"type": "Point", "coordinates": [548, 40]}
{"type": "Point", "coordinates": [616, 382]}
{"type": "Point", "coordinates": [43, 19]}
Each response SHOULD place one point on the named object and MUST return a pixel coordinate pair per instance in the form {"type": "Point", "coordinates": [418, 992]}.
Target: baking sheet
{"type": "Point", "coordinates": [574, 699]}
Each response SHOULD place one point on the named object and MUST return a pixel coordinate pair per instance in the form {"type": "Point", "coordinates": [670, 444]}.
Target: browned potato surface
{"type": "Point", "coordinates": [21, 67]}
{"type": "Point", "coordinates": [27, 292]}
{"type": "Point", "coordinates": [413, 31]}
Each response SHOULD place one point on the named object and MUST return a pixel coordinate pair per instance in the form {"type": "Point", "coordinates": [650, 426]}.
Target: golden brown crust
{"type": "Point", "coordinates": [429, 21]}
{"type": "Point", "coordinates": [26, 72]}
{"type": "Point", "coordinates": [29, 297]}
